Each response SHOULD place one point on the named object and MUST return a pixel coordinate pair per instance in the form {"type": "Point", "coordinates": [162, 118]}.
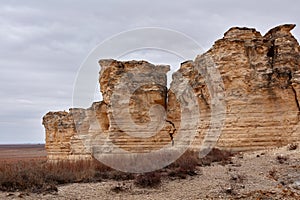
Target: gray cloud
{"type": "Point", "coordinates": [42, 45]}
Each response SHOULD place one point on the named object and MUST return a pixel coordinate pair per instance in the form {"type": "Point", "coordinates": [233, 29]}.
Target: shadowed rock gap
{"type": "Point", "coordinates": [296, 99]}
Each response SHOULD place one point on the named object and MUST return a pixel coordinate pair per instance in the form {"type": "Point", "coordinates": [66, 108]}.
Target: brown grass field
{"type": "Point", "coordinates": [17, 152]}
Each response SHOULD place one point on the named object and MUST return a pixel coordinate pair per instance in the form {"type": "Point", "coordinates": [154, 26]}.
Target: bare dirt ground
{"type": "Point", "coordinates": [267, 174]}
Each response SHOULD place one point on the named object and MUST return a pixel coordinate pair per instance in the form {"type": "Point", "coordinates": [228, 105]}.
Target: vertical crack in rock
{"type": "Point", "coordinates": [172, 130]}
{"type": "Point", "coordinates": [296, 99]}
{"type": "Point", "coordinates": [272, 53]}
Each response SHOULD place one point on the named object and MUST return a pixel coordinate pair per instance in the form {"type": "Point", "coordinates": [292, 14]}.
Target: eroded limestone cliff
{"type": "Point", "coordinates": [260, 89]}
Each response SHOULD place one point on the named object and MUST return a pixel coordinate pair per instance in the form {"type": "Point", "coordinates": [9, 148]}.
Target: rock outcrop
{"type": "Point", "coordinates": [135, 93]}
{"type": "Point", "coordinates": [259, 86]}
{"type": "Point", "coordinates": [130, 90]}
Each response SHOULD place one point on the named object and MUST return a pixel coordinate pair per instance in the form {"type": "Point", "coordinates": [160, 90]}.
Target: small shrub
{"type": "Point", "coordinates": [120, 176]}
{"type": "Point", "coordinates": [273, 174]}
{"type": "Point", "coordinates": [148, 180]}
{"type": "Point", "coordinates": [216, 155]}
{"type": "Point", "coordinates": [237, 178]}
{"type": "Point", "coordinates": [185, 165]}
{"type": "Point", "coordinates": [229, 191]}
{"type": "Point", "coordinates": [187, 162]}
{"type": "Point", "coordinates": [119, 188]}
{"type": "Point", "coordinates": [292, 146]}
{"type": "Point", "coordinates": [281, 159]}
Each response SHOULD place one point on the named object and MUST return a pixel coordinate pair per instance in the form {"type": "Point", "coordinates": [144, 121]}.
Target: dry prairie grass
{"type": "Point", "coordinates": [41, 176]}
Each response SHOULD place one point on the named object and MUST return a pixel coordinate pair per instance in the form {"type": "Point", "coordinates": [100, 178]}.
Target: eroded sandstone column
{"type": "Point", "coordinates": [135, 93]}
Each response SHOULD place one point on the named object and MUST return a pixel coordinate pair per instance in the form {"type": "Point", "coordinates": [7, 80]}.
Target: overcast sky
{"type": "Point", "coordinates": [43, 43]}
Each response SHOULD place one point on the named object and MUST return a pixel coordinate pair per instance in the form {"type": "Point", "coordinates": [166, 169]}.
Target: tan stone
{"type": "Point", "coordinates": [260, 87]}
{"type": "Point", "coordinates": [106, 122]}
{"type": "Point", "coordinates": [130, 90]}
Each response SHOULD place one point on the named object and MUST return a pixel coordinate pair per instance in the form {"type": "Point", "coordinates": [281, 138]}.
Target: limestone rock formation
{"type": "Point", "coordinates": [130, 90]}
{"type": "Point", "coordinates": [260, 89]}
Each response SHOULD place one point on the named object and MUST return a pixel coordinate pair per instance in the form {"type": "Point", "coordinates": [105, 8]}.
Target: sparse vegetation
{"type": "Point", "coordinates": [119, 176]}
{"type": "Point", "coordinates": [188, 162]}
{"type": "Point", "coordinates": [217, 155]}
{"type": "Point", "coordinates": [151, 179]}
{"type": "Point", "coordinates": [39, 176]}
{"type": "Point", "coordinates": [119, 188]}
{"type": "Point", "coordinates": [237, 178]}
{"type": "Point", "coordinates": [185, 165]}
{"type": "Point", "coordinates": [292, 146]}
{"type": "Point", "coordinates": [281, 159]}
{"type": "Point", "coordinates": [273, 174]}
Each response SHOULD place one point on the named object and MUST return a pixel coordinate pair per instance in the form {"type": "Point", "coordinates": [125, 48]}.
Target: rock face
{"type": "Point", "coordinates": [260, 89]}
{"type": "Point", "coordinates": [130, 90]}
{"type": "Point", "coordinates": [260, 75]}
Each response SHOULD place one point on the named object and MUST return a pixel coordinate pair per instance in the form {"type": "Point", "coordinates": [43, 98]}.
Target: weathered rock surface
{"type": "Point", "coordinates": [73, 134]}
{"type": "Point", "coordinates": [135, 93]}
{"type": "Point", "coordinates": [260, 89]}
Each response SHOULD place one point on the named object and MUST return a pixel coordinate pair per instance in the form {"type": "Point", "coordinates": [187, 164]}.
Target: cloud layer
{"type": "Point", "coordinates": [43, 44]}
